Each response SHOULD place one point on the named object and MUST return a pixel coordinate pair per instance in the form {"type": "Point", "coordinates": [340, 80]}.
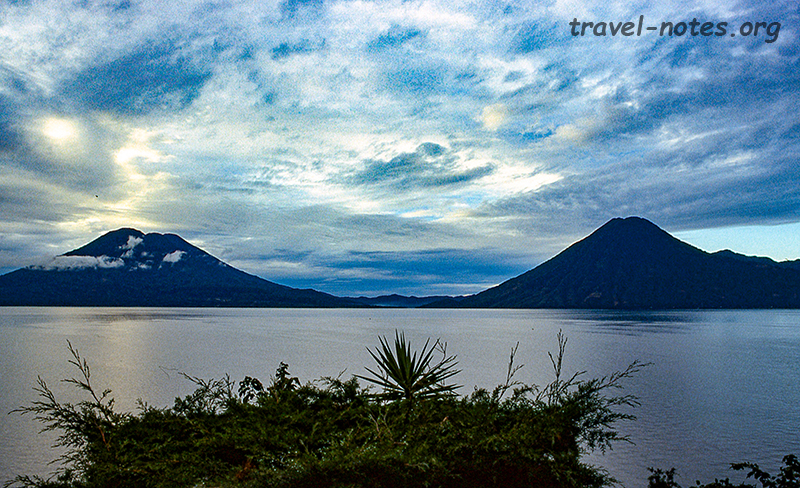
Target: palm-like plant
{"type": "Point", "coordinates": [404, 374]}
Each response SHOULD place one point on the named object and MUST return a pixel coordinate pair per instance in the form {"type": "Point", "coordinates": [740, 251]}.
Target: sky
{"type": "Point", "coordinates": [419, 147]}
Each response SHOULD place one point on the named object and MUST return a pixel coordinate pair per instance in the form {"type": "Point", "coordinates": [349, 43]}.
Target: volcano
{"type": "Point", "coordinates": [126, 267]}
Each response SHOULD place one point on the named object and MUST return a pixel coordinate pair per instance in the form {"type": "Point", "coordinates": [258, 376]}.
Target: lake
{"type": "Point", "coordinates": [724, 386]}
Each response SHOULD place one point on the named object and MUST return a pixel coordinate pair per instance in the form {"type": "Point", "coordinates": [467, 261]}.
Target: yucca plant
{"type": "Point", "coordinates": [404, 374]}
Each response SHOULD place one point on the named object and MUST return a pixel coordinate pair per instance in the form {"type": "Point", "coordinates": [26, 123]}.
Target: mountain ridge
{"type": "Point", "coordinates": [127, 267]}
{"type": "Point", "coordinates": [627, 263]}
{"type": "Point", "coordinates": [631, 263]}
{"type": "Point", "coordinates": [395, 300]}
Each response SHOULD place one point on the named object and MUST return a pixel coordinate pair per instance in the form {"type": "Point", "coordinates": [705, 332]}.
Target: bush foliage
{"type": "Point", "coordinates": [788, 477]}
{"type": "Point", "coordinates": [335, 433]}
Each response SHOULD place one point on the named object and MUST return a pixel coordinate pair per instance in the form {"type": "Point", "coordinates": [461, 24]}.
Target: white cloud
{"type": "Point", "coordinates": [133, 241]}
{"type": "Point", "coordinates": [70, 263]}
{"type": "Point", "coordinates": [174, 257]}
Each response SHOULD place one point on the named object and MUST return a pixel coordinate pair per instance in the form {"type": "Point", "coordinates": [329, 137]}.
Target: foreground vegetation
{"type": "Point", "coordinates": [415, 431]}
{"type": "Point", "coordinates": [788, 477]}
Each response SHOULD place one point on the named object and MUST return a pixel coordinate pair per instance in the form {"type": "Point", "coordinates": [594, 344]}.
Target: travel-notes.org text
{"type": "Point", "coordinates": [769, 31]}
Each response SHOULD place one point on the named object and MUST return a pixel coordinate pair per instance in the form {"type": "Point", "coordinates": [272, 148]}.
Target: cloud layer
{"type": "Point", "coordinates": [363, 147]}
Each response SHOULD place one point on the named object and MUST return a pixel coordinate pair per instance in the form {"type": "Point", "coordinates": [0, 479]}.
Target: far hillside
{"type": "Point", "coordinates": [633, 264]}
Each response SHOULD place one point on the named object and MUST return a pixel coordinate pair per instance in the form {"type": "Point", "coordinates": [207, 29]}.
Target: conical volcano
{"type": "Point", "coordinates": [126, 267]}
{"type": "Point", "coordinates": [633, 264]}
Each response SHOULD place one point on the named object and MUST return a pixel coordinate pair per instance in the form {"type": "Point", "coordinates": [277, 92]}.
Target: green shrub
{"type": "Point", "coordinates": [407, 375]}
{"type": "Point", "coordinates": [789, 476]}
{"type": "Point", "coordinates": [335, 433]}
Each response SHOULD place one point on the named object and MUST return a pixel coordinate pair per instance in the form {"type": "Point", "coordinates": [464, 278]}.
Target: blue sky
{"type": "Point", "coordinates": [367, 147]}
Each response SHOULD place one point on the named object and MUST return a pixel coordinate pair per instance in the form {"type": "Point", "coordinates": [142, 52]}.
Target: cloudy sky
{"type": "Point", "coordinates": [420, 147]}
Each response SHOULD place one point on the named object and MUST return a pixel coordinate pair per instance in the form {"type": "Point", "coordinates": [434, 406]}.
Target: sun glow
{"type": "Point", "coordinates": [493, 116]}
{"type": "Point", "coordinates": [59, 130]}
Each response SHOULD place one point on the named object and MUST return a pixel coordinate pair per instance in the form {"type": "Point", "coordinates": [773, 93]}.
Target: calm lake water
{"type": "Point", "coordinates": [724, 386]}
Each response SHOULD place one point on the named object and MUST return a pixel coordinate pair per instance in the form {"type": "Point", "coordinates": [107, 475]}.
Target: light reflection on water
{"type": "Point", "coordinates": [724, 386]}
{"type": "Point", "coordinates": [630, 323]}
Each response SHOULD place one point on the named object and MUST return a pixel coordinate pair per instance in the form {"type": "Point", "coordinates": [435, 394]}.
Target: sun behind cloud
{"type": "Point", "coordinates": [493, 116]}
{"type": "Point", "coordinates": [59, 130]}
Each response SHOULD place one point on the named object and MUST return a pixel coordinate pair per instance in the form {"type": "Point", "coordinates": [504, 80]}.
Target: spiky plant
{"type": "Point", "coordinates": [407, 374]}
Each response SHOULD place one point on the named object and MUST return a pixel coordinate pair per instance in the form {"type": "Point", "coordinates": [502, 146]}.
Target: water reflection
{"type": "Point", "coordinates": [121, 315]}
{"type": "Point", "coordinates": [633, 323]}
{"type": "Point", "coordinates": [725, 383]}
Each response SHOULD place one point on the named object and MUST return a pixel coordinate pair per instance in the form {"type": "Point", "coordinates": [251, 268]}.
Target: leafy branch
{"type": "Point", "coordinates": [86, 423]}
{"type": "Point", "coordinates": [408, 375]}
